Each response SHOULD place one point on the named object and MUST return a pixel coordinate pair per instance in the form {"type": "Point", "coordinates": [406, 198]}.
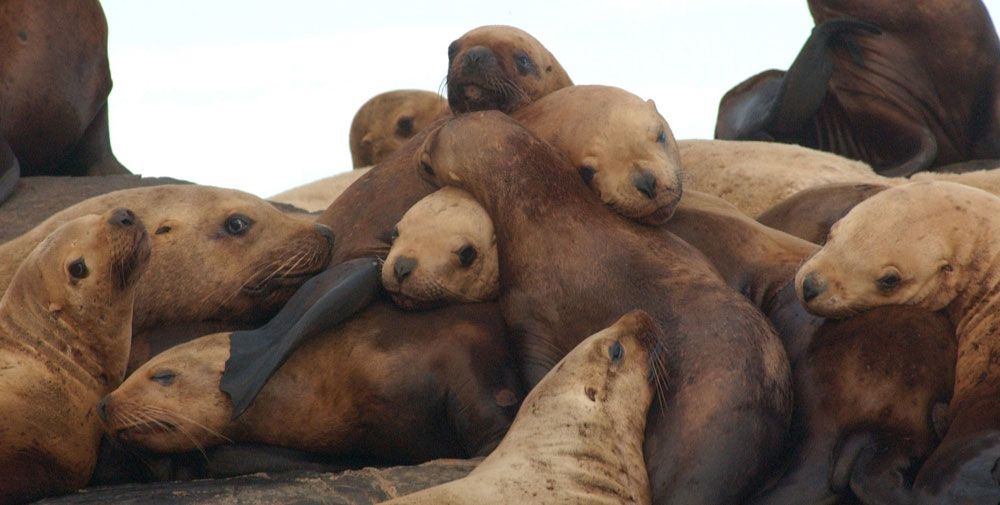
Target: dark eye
{"type": "Point", "coordinates": [616, 351]}
{"type": "Point", "coordinates": [467, 255]}
{"type": "Point", "coordinates": [524, 65]}
{"type": "Point", "coordinates": [586, 173]}
{"type": "Point", "coordinates": [404, 127]}
{"type": "Point", "coordinates": [394, 234]}
{"type": "Point", "coordinates": [163, 229]}
{"type": "Point", "coordinates": [238, 224]}
{"type": "Point", "coordinates": [662, 137]}
{"type": "Point", "coordinates": [888, 282]}
{"type": "Point", "coordinates": [164, 378]}
{"type": "Point", "coordinates": [452, 50]}
{"type": "Point", "coordinates": [78, 269]}
{"type": "Point", "coordinates": [427, 167]}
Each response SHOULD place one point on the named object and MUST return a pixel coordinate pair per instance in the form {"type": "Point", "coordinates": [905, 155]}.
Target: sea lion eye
{"type": "Point", "coordinates": [404, 127]}
{"type": "Point", "coordinates": [452, 50]}
{"type": "Point", "coordinates": [78, 269]}
{"type": "Point", "coordinates": [524, 65]}
{"type": "Point", "coordinates": [164, 378]}
{"type": "Point", "coordinates": [662, 137]}
{"type": "Point", "coordinates": [616, 351]}
{"type": "Point", "coordinates": [466, 255]}
{"type": "Point", "coordinates": [888, 282]}
{"type": "Point", "coordinates": [394, 234]}
{"type": "Point", "coordinates": [427, 167]}
{"type": "Point", "coordinates": [587, 173]}
{"type": "Point", "coordinates": [238, 224]}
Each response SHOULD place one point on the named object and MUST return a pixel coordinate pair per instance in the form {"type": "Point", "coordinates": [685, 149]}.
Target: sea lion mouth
{"type": "Point", "coordinates": [497, 93]}
{"type": "Point", "coordinates": [153, 427]}
{"type": "Point", "coordinates": [408, 303]}
{"type": "Point", "coordinates": [660, 215]}
{"type": "Point", "coordinates": [130, 254]}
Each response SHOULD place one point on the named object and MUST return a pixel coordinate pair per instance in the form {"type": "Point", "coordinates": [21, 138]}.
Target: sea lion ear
{"type": "Point", "coordinates": [652, 103]}
{"type": "Point", "coordinates": [55, 308]}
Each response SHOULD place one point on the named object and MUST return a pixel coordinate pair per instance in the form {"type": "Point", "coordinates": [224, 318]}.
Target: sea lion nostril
{"type": "Point", "coordinates": [122, 217]}
{"type": "Point", "coordinates": [102, 408]}
{"type": "Point", "coordinates": [477, 56]}
{"type": "Point", "coordinates": [811, 288]}
{"type": "Point", "coordinates": [646, 184]}
{"type": "Point", "coordinates": [403, 267]}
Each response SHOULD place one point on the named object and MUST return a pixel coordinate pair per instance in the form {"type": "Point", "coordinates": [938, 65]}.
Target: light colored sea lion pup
{"type": "Point", "coordinates": [578, 436]}
{"type": "Point", "coordinates": [316, 196]}
{"type": "Point", "coordinates": [934, 245]}
{"type": "Point", "coordinates": [621, 146]}
{"type": "Point", "coordinates": [443, 250]}
{"type": "Point", "coordinates": [389, 119]}
{"type": "Point", "coordinates": [65, 324]}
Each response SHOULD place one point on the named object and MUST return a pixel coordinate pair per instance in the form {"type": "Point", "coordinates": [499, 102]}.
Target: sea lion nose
{"type": "Point", "coordinates": [404, 267]}
{"type": "Point", "coordinates": [102, 408]}
{"type": "Point", "coordinates": [811, 288]}
{"type": "Point", "coordinates": [646, 184]}
{"type": "Point", "coordinates": [122, 217]}
{"type": "Point", "coordinates": [476, 57]}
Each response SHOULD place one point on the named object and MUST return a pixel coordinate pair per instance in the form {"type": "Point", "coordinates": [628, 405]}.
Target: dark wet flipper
{"type": "Point", "coordinates": [10, 170]}
{"type": "Point", "coordinates": [879, 477]}
{"type": "Point", "coordinates": [322, 302]}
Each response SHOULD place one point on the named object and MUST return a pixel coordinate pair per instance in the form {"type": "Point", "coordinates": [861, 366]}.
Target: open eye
{"type": "Point", "coordinates": [616, 351]}
{"type": "Point", "coordinates": [524, 65]}
{"type": "Point", "coordinates": [404, 127]}
{"type": "Point", "coordinates": [165, 378]}
{"type": "Point", "coordinates": [427, 167]}
{"type": "Point", "coordinates": [587, 173]}
{"type": "Point", "coordinates": [466, 255]}
{"type": "Point", "coordinates": [238, 224]}
{"type": "Point", "coordinates": [394, 234]}
{"type": "Point", "coordinates": [452, 50]}
{"type": "Point", "coordinates": [78, 269]}
{"type": "Point", "coordinates": [888, 282]}
{"type": "Point", "coordinates": [662, 137]}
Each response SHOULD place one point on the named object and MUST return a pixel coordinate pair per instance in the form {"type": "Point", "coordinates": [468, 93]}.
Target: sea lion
{"type": "Point", "coordinates": [417, 386]}
{"type": "Point", "coordinates": [65, 323]}
{"type": "Point", "coordinates": [388, 120]}
{"type": "Point", "coordinates": [316, 196]}
{"type": "Point", "coordinates": [887, 98]}
{"type": "Point", "coordinates": [218, 254]}
{"type": "Point", "coordinates": [723, 421]}
{"type": "Point", "coordinates": [606, 130]}
{"type": "Point", "coordinates": [443, 250]}
{"type": "Point", "coordinates": [945, 262]}
{"type": "Point", "coordinates": [578, 437]}
{"type": "Point", "coordinates": [500, 68]}
{"type": "Point", "coordinates": [810, 213]}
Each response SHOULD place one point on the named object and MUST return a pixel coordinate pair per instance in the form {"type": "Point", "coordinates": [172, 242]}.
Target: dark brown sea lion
{"type": "Point", "coordinates": [500, 68]}
{"type": "Point", "coordinates": [727, 410]}
{"type": "Point", "coordinates": [386, 121]}
{"type": "Point", "coordinates": [809, 214]}
{"type": "Point", "coordinates": [890, 99]}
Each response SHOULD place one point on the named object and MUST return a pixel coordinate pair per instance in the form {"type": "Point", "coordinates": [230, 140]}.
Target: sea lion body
{"type": "Point", "coordinates": [810, 213]}
{"type": "Point", "coordinates": [65, 324]}
{"type": "Point", "coordinates": [316, 196]}
{"type": "Point", "coordinates": [388, 120]}
{"type": "Point", "coordinates": [578, 436]}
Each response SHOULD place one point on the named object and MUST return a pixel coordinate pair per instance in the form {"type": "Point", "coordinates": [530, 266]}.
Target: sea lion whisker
{"type": "Point", "coordinates": [182, 417]}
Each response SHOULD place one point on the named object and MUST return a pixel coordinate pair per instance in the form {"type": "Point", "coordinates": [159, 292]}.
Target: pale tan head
{"type": "Point", "coordinates": [500, 68]}
{"type": "Point", "coordinates": [388, 120]}
{"type": "Point", "coordinates": [619, 143]}
{"type": "Point", "coordinates": [443, 251]}
{"type": "Point", "coordinates": [173, 402]}
{"type": "Point", "coordinates": [917, 244]}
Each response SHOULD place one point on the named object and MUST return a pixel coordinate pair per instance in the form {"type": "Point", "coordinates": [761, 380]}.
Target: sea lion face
{"type": "Point", "coordinates": [172, 403]}
{"type": "Point", "coordinates": [896, 248]}
{"type": "Point", "coordinates": [500, 68]}
{"type": "Point", "coordinates": [444, 250]}
{"type": "Point", "coordinates": [388, 120]}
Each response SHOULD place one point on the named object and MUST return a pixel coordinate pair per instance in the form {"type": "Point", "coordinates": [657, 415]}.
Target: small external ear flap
{"type": "Point", "coordinates": [55, 308]}
{"type": "Point", "coordinates": [652, 103]}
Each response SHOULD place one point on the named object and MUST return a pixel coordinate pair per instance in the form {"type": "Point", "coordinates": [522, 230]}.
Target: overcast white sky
{"type": "Point", "coordinates": [259, 95]}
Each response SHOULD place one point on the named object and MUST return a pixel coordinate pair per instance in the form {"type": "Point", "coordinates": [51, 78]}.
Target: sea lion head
{"type": "Point", "coordinates": [443, 250]}
{"type": "Point", "coordinates": [172, 403]}
{"type": "Point", "coordinates": [388, 120]}
{"type": "Point", "coordinates": [899, 247]}
{"type": "Point", "coordinates": [501, 68]}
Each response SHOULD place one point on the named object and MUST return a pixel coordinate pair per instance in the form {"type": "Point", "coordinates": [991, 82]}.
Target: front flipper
{"type": "Point", "coordinates": [322, 302]}
{"type": "Point", "coordinates": [10, 170]}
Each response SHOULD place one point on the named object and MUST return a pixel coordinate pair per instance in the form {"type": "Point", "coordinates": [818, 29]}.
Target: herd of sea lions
{"type": "Point", "coordinates": [540, 274]}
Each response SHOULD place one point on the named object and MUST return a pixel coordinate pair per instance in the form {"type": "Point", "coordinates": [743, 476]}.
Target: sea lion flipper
{"type": "Point", "coordinates": [323, 301]}
{"type": "Point", "coordinates": [10, 170]}
{"type": "Point", "coordinates": [878, 477]}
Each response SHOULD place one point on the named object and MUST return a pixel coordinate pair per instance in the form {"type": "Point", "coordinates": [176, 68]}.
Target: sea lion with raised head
{"type": "Point", "coordinates": [65, 323]}
{"type": "Point", "coordinates": [386, 121]}
{"type": "Point", "coordinates": [933, 245]}
{"type": "Point", "coordinates": [578, 437]}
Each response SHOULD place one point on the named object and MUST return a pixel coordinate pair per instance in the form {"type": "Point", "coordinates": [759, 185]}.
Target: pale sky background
{"type": "Point", "coordinates": [259, 95]}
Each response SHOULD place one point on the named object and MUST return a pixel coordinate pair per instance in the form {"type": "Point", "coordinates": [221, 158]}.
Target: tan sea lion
{"type": "Point", "coordinates": [500, 68]}
{"type": "Point", "coordinates": [443, 250]}
{"type": "Point", "coordinates": [930, 244]}
{"type": "Point", "coordinates": [578, 436]}
{"type": "Point", "coordinates": [389, 119]}
{"type": "Point", "coordinates": [65, 324]}
{"type": "Point", "coordinates": [416, 386]}
{"type": "Point", "coordinates": [316, 196]}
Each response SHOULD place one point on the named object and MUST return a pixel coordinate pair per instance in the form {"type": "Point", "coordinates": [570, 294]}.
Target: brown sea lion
{"type": "Point", "coordinates": [218, 255]}
{"type": "Point", "coordinates": [727, 411]}
{"type": "Point", "coordinates": [443, 251]}
{"type": "Point", "coordinates": [500, 68]}
{"type": "Point", "coordinates": [65, 323]}
{"type": "Point", "coordinates": [887, 98]}
{"type": "Point", "coordinates": [388, 120]}
{"type": "Point", "coordinates": [416, 386]}
{"type": "Point", "coordinates": [932, 245]}
{"type": "Point", "coordinates": [316, 196]}
{"type": "Point", "coordinates": [578, 436]}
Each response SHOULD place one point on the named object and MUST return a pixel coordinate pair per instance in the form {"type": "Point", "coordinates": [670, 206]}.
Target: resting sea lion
{"type": "Point", "coordinates": [65, 323]}
{"type": "Point", "coordinates": [697, 451]}
{"type": "Point", "coordinates": [416, 386]}
{"type": "Point", "coordinates": [936, 248]}
{"type": "Point", "coordinates": [500, 68]}
{"type": "Point", "coordinates": [578, 436]}
{"type": "Point", "coordinates": [889, 99]}
{"type": "Point", "coordinates": [388, 120]}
